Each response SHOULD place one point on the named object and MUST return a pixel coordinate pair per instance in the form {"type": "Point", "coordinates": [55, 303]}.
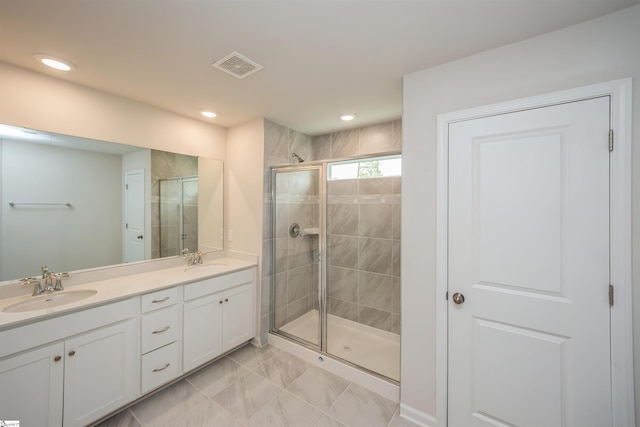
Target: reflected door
{"type": "Point", "coordinates": [297, 215]}
{"type": "Point", "coordinates": [134, 216]}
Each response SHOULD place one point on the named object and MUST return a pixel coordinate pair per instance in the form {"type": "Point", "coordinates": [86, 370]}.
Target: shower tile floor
{"type": "Point", "coordinates": [261, 387]}
{"type": "Point", "coordinates": [371, 348]}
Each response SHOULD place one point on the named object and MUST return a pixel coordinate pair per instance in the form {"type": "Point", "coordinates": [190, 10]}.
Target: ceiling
{"type": "Point", "coordinates": [321, 58]}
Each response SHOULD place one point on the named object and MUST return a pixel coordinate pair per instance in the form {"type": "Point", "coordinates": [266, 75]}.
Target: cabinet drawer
{"type": "Point", "coordinates": [159, 328]}
{"type": "Point", "coordinates": [159, 366]}
{"type": "Point", "coordinates": [217, 284]}
{"type": "Point", "coordinates": [159, 299]}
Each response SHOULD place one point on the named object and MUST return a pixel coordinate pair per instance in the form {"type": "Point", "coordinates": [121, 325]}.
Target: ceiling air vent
{"type": "Point", "coordinates": [237, 65]}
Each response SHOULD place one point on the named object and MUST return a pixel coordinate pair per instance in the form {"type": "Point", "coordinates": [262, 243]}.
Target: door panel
{"type": "Point", "coordinates": [296, 249]}
{"type": "Point", "coordinates": [134, 216]}
{"type": "Point", "coordinates": [529, 250]}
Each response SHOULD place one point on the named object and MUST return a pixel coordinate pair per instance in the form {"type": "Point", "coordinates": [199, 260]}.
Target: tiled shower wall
{"type": "Point", "coordinates": [363, 244]}
{"type": "Point", "coordinates": [363, 230]}
{"type": "Point", "coordinates": [279, 143]}
{"type": "Point", "coordinates": [368, 288]}
{"type": "Point", "coordinates": [297, 201]}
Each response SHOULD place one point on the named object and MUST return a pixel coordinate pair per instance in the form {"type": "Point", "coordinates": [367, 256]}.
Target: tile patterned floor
{"type": "Point", "coordinates": [254, 387]}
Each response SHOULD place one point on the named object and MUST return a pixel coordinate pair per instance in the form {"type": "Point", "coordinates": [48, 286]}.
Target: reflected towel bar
{"type": "Point", "coordinates": [12, 204]}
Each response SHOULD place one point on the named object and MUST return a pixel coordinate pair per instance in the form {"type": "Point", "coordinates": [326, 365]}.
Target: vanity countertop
{"type": "Point", "coordinates": [114, 289]}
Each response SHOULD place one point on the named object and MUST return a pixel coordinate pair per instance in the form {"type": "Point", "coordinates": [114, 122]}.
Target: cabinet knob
{"type": "Point", "coordinates": [226, 300]}
{"type": "Point", "coordinates": [72, 353]}
{"type": "Point", "coordinates": [220, 302]}
{"type": "Point", "coordinates": [57, 358]}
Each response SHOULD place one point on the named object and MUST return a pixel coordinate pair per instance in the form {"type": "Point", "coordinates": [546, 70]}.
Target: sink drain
{"type": "Point", "coordinates": [346, 348]}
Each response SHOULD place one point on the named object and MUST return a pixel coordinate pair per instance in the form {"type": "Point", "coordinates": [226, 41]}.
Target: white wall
{"type": "Point", "coordinates": [86, 234]}
{"type": "Point", "coordinates": [243, 183]}
{"type": "Point", "coordinates": [600, 50]}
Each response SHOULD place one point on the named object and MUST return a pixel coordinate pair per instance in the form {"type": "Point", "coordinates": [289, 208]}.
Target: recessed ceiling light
{"type": "Point", "coordinates": [347, 117]}
{"type": "Point", "coordinates": [209, 114]}
{"type": "Point", "coordinates": [53, 62]}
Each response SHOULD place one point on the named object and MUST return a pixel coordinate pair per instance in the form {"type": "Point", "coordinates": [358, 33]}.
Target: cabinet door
{"type": "Point", "coordinates": [100, 369]}
{"type": "Point", "coordinates": [238, 321]}
{"type": "Point", "coordinates": [202, 330]}
{"type": "Point", "coordinates": [31, 387]}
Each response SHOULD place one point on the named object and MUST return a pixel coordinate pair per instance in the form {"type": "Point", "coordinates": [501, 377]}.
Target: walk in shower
{"type": "Point", "coordinates": [336, 253]}
{"type": "Point", "coordinates": [178, 215]}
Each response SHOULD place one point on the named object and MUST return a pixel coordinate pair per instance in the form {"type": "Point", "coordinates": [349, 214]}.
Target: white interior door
{"type": "Point", "coordinates": [529, 252]}
{"type": "Point", "coordinates": [134, 216]}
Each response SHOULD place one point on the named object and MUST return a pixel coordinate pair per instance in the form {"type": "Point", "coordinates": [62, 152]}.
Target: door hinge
{"type": "Point", "coordinates": [126, 225]}
{"type": "Point", "coordinates": [611, 295]}
{"type": "Point", "coordinates": [610, 139]}
{"type": "Point", "coordinates": [126, 186]}
{"type": "Point", "coordinates": [446, 296]}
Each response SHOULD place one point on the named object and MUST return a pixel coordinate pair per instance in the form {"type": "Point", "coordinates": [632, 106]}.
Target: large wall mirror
{"type": "Point", "coordinates": [73, 203]}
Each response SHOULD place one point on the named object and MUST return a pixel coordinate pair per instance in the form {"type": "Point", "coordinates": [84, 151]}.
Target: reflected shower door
{"type": "Point", "coordinates": [297, 217]}
{"type": "Point", "coordinates": [178, 215]}
{"type": "Point", "coordinates": [189, 214]}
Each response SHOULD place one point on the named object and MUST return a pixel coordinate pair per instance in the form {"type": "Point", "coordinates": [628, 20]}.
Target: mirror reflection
{"type": "Point", "coordinates": [74, 203]}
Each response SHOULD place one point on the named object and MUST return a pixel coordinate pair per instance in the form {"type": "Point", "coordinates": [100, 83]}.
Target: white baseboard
{"type": "Point", "coordinates": [417, 417]}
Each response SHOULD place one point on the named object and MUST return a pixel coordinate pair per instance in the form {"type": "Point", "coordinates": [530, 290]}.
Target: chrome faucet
{"type": "Point", "coordinates": [48, 281]}
{"type": "Point", "coordinates": [59, 277]}
{"type": "Point", "coordinates": [192, 258]}
{"type": "Point", "coordinates": [37, 287]}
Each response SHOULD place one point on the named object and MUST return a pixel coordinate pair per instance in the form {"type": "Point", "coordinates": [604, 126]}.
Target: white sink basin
{"type": "Point", "coordinates": [54, 299]}
{"type": "Point", "coordinates": [205, 267]}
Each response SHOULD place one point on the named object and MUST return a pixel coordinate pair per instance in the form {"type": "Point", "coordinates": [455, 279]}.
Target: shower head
{"type": "Point", "coordinates": [296, 159]}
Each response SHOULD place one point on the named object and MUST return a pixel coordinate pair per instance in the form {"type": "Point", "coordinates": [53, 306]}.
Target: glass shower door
{"type": "Point", "coordinates": [178, 215]}
{"type": "Point", "coordinates": [297, 216]}
{"type": "Point", "coordinates": [189, 223]}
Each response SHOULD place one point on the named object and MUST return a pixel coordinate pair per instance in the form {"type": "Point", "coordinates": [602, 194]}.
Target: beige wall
{"type": "Point", "coordinates": [243, 200]}
{"type": "Point", "coordinates": [597, 51]}
{"type": "Point", "coordinates": [42, 102]}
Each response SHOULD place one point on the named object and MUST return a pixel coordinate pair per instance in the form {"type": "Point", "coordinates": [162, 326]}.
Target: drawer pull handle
{"type": "Point", "coordinates": [166, 328]}
{"type": "Point", "coordinates": [161, 369]}
{"type": "Point", "coordinates": [156, 301]}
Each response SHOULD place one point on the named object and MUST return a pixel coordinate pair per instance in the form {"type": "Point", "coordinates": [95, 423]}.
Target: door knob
{"type": "Point", "coordinates": [458, 298]}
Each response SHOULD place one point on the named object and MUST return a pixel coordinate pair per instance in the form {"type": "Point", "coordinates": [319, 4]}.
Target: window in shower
{"type": "Point", "coordinates": [379, 167]}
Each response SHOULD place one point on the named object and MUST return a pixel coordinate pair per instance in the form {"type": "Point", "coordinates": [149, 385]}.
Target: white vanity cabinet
{"type": "Point", "coordinates": [219, 314]}
{"type": "Point", "coordinates": [73, 369]}
{"type": "Point", "coordinates": [160, 344]}
{"type": "Point", "coordinates": [70, 370]}
{"type": "Point", "coordinates": [31, 386]}
{"type": "Point", "coordinates": [99, 372]}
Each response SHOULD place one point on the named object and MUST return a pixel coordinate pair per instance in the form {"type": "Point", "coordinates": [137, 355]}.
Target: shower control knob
{"type": "Point", "coordinates": [458, 298]}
